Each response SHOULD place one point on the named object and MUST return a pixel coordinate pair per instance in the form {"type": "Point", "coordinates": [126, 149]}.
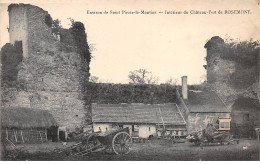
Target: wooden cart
{"type": "Point", "coordinates": [116, 140]}
{"type": "Point", "coordinates": [211, 135]}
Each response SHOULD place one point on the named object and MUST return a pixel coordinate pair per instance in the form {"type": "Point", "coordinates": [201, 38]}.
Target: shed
{"type": "Point", "coordinates": [26, 125]}
{"type": "Point", "coordinates": [143, 120]}
{"type": "Point", "coordinates": [245, 117]}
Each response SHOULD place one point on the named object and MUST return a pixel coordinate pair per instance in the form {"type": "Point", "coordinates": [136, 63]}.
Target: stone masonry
{"type": "Point", "coordinates": [219, 71]}
{"type": "Point", "coordinates": [48, 77]}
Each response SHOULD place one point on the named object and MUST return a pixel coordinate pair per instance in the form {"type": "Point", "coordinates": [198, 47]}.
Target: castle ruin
{"type": "Point", "coordinates": [52, 70]}
{"type": "Point", "coordinates": [220, 70]}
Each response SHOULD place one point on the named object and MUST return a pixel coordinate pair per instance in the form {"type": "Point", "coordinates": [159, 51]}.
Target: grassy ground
{"type": "Point", "coordinates": [148, 151]}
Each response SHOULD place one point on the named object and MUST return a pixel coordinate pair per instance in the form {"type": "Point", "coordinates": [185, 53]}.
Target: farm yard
{"type": "Point", "coordinates": [246, 150]}
{"type": "Point", "coordinates": [53, 108]}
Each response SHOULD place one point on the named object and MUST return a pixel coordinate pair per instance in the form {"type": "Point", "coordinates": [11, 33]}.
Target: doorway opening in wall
{"type": "Point", "coordinates": [62, 135]}
{"type": "Point", "coordinates": [52, 133]}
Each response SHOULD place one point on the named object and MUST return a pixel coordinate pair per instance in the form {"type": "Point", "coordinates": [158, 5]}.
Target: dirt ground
{"type": "Point", "coordinates": [149, 151]}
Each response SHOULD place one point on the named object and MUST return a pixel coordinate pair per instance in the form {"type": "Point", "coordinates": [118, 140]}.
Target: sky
{"type": "Point", "coordinates": [170, 46]}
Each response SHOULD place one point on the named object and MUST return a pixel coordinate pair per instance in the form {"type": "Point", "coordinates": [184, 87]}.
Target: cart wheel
{"type": "Point", "coordinates": [121, 143]}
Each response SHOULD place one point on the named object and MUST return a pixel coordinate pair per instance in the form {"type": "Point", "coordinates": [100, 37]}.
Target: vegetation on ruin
{"type": "Point", "coordinates": [77, 29]}
{"type": "Point", "coordinates": [53, 24]}
{"type": "Point", "coordinates": [11, 57]}
{"type": "Point", "coordinates": [75, 36]}
{"type": "Point", "coordinates": [245, 55]}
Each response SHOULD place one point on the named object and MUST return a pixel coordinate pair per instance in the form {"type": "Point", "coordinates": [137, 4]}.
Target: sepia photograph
{"type": "Point", "coordinates": [111, 80]}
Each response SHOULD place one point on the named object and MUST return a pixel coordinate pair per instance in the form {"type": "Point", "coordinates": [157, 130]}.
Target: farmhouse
{"type": "Point", "coordinates": [203, 107]}
{"type": "Point", "coordinates": [143, 120]}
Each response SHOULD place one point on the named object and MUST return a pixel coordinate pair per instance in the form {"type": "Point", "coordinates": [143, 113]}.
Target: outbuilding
{"type": "Point", "coordinates": [20, 125]}
{"type": "Point", "coordinates": [245, 117]}
{"type": "Point", "coordinates": [143, 120]}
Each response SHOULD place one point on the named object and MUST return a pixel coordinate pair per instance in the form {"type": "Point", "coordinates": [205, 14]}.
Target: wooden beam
{"type": "Point", "coordinates": [180, 113]}
{"type": "Point", "coordinates": [15, 137]}
{"type": "Point", "coordinates": [40, 135]}
{"type": "Point", "coordinates": [6, 133]}
{"type": "Point", "coordinates": [22, 135]}
{"type": "Point", "coordinates": [46, 134]}
{"type": "Point", "coordinates": [162, 118]}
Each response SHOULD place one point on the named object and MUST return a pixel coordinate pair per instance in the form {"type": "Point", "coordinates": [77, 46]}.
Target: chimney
{"type": "Point", "coordinates": [184, 87]}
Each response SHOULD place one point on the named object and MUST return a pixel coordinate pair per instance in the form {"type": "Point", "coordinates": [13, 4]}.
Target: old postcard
{"type": "Point", "coordinates": [113, 80]}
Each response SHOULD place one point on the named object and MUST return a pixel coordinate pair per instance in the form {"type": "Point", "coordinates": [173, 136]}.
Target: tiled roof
{"type": "Point", "coordinates": [137, 113]}
{"type": "Point", "coordinates": [205, 101]}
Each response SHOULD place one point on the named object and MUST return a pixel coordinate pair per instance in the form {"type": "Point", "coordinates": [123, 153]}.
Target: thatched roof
{"type": "Point", "coordinates": [26, 118]}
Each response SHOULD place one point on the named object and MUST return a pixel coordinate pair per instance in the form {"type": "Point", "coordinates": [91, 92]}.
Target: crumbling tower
{"type": "Point", "coordinates": [53, 72]}
{"type": "Point", "coordinates": [215, 47]}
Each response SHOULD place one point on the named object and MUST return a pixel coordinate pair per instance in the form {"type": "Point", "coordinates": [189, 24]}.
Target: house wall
{"type": "Point", "coordinates": [199, 121]}
{"type": "Point", "coordinates": [176, 130]}
{"type": "Point", "coordinates": [146, 130]}
{"type": "Point", "coordinates": [102, 126]}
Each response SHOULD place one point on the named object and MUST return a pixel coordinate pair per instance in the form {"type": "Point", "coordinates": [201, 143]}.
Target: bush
{"type": "Point", "coordinates": [127, 93]}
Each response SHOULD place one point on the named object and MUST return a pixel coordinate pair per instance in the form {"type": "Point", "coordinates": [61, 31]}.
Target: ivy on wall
{"type": "Point", "coordinates": [245, 55]}
{"type": "Point", "coordinates": [11, 57]}
{"type": "Point", "coordinates": [80, 38]}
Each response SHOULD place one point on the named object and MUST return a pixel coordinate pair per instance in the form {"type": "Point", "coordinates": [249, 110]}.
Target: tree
{"type": "Point", "coordinates": [142, 76]}
{"type": "Point", "coordinates": [172, 81]}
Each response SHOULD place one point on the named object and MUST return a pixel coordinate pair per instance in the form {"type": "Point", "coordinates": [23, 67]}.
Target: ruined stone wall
{"type": "Point", "coordinates": [219, 72]}
{"type": "Point", "coordinates": [18, 26]}
{"type": "Point", "coordinates": [217, 68]}
{"type": "Point", "coordinates": [48, 77]}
